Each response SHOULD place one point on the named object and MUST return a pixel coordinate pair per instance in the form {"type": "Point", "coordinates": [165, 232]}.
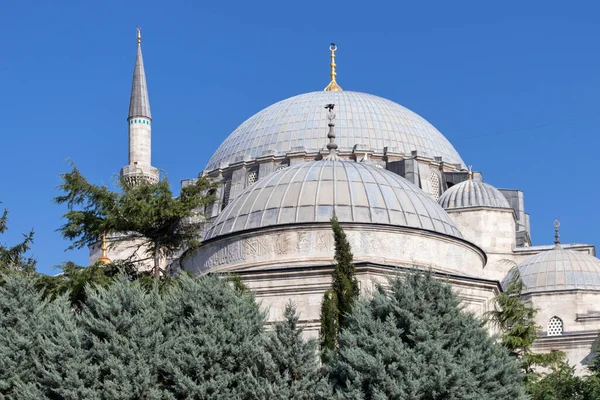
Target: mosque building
{"type": "Point", "coordinates": [403, 195]}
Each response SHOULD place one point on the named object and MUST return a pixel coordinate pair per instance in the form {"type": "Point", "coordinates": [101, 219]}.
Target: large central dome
{"type": "Point", "coordinates": [361, 118]}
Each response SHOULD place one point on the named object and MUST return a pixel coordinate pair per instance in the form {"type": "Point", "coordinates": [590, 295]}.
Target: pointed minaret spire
{"type": "Point", "coordinates": [140, 126]}
{"type": "Point", "coordinates": [139, 104]}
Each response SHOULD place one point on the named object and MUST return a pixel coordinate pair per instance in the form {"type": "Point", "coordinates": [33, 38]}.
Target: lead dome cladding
{"type": "Point", "coordinates": [311, 191]}
{"type": "Point", "coordinates": [558, 269]}
{"type": "Point", "coordinates": [360, 119]}
{"type": "Point", "coordinates": [473, 193]}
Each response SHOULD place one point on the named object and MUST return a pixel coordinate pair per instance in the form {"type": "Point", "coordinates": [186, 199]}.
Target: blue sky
{"type": "Point", "coordinates": [513, 85]}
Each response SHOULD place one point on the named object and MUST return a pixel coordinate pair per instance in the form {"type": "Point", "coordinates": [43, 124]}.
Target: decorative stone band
{"type": "Point", "coordinates": [313, 244]}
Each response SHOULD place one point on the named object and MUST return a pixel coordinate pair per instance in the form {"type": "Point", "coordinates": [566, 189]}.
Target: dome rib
{"type": "Point", "coordinates": [361, 118]}
{"type": "Point", "coordinates": [311, 191]}
{"type": "Point", "coordinates": [473, 193]}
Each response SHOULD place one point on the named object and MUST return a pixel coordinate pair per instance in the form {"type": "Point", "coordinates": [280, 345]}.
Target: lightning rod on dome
{"type": "Point", "coordinates": [333, 86]}
{"type": "Point", "coordinates": [332, 145]}
{"type": "Point", "coordinates": [556, 234]}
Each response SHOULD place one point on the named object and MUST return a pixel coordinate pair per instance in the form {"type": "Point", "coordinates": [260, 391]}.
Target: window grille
{"type": "Point", "coordinates": [435, 185]}
{"type": "Point", "coordinates": [555, 327]}
{"type": "Point", "coordinates": [252, 177]}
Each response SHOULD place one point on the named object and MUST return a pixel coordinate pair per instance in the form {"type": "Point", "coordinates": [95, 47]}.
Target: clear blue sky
{"type": "Point", "coordinates": [513, 85]}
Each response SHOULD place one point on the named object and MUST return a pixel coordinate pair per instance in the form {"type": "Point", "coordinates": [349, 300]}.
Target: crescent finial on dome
{"type": "Point", "coordinates": [333, 86]}
{"type": "Point", "coordinates": [556, 234]}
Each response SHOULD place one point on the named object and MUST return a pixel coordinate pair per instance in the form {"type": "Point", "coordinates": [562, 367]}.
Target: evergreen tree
{"type": "Point", "coordinates": [293, 366]}
{"type": "Point", "coordinates": [64, 369]}
{"type": "Point", "coordinates": [215, 346]}
{"type": "Point", "coordinates": [21, 310]}
{"type": "Point", "coordinates": [414, 341]}
{"type": "Point", "coordinates": [563, 384]}
{"type": "Point", "coordinates": [148, 213]}
{"type": "Point", "coordinates": [14, 258]}
{"type": "Point", "coordinates": [516, 320]}
{"type": "Point", "coordinates": [337, 303]}
{"type": "Point", "coordinates": [124, 334]}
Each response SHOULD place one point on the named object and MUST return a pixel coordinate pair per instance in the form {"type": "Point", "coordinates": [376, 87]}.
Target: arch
{"type": "Point", "coordinates": [555, 326]}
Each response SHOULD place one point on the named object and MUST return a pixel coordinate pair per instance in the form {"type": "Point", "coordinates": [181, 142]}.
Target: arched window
{"type": "Point", "coordinates": [555, 326]}
{"type": "Point", "coordinates": [226, 191]}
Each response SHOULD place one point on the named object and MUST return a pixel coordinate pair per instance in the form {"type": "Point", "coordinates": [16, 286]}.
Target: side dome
{"type": "Point", "coordinates": [312, 191]}
{"type": "Point", "coordinates": [473, 193]}
{"type": "Point", "coordinates": [556, 270]}
{"type": "Point", "coordinates": [360, 119]}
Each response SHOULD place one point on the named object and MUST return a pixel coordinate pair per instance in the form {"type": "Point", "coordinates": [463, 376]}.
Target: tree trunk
{"type": "Point", "coordinates": [156, 263]}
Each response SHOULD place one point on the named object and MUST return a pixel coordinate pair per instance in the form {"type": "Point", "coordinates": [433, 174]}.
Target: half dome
{"type": "Point", "coordinates": [558, 269]}
{"type": "Point", "coordinates": [361, 118]}
{"type": "Point", "coordinates": [312, 191]}
{"type": "Point", "coordinates": [473, 193]}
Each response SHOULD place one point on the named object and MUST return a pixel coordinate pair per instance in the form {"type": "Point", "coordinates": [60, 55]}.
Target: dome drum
{"type": "Point", "coordinates": [312, 244]}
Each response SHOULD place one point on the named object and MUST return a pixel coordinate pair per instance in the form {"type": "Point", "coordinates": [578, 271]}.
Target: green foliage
{"type": "Point", "coordinates": [14, 258]}
{"type": "Point", "coordinates": [215, 346]}
{"type": "Point", "coordinates": [294, 367]}
{"type": "Point", "coordinates": [21, 311]}
{"type": "Point", "coordinates": [594, 364]}
{"type": "Point", "coordinates": [337, 303]}
{"type": "Point", "coordinates": [516, 320]}
{"type": "Point", "coordinates": [149, 213]}
{"type": "Point", "coordinates": [329, 323]}
{"type": "Point", "coordinates": [414, 341]}
{"type": "Point", "coordinates": [563, 384]}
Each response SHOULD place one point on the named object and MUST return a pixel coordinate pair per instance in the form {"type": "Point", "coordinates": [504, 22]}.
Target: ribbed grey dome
{"type": "Point", "coordinates": [558, 269]}
{"type": "Point", "coordinates": [473, 193]}
{"type": "Point", "coordinates": [311, 191]}
{"type": "Point", "coordinates": [361, 118]}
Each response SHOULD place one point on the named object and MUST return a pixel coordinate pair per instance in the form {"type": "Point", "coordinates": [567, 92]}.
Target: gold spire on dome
{"type": "Point", "coordinates": [470, 172]}
{"type": "Point", "coordinates": [139, 35]}
{"type": "Point", "coordinates": [104, 258]}
{"type": "Point", "coordinates": [333, 86]}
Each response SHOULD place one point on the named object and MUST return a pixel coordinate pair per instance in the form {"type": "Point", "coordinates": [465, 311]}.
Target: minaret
{"type": "Point", "coordinates": [140, 127]}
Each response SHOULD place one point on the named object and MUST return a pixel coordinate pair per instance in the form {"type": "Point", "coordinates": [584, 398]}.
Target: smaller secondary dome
{"type": "Point", "coordinates": [311, 191]}
{"type": "Point", "coordinates": [558, 269]}
{"type": "Point", "coordinates": [473, 193]}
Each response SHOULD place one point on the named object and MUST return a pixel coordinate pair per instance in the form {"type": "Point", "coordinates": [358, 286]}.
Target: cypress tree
{"type": "Point", "coordinates": [413, 341]}
{"type": "Point", "coordinates": [293, 367]}
{"type": "Point", "coordinates": [337, 303]}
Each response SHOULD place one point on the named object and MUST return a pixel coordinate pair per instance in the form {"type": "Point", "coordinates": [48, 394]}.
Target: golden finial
{"type": "Point", "coordinates": [333, 86]}
{"type": "Point", "coordinates": [470, 172]}
{"type": "Point", "coordinates": [104, 258]}
{"type": "Point", "coordinates": [139, 35]}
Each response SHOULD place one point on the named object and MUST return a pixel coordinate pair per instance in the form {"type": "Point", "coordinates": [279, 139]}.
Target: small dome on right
{"type": "Point", "coordinates": [473, 193]}
{"type": "Point", "coordinates": [557, 270]}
